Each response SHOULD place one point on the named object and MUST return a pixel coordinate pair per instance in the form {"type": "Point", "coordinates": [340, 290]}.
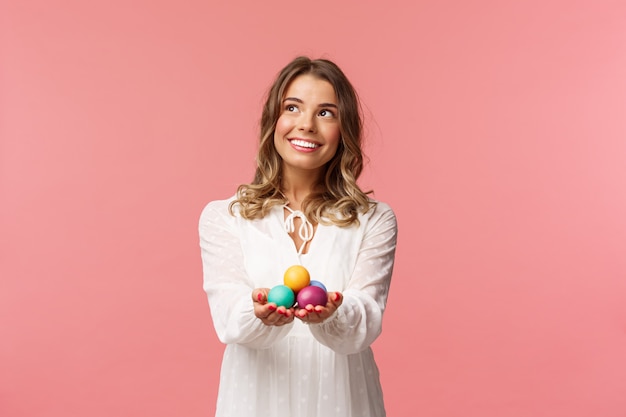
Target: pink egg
{"type": "Point", "coordinates": [311, 295]}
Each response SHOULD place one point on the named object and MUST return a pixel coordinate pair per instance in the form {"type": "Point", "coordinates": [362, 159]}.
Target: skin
{"type": "Point", "coordinates": [310, 115]}
{"type": "Point", "coordinates": [271, 315]}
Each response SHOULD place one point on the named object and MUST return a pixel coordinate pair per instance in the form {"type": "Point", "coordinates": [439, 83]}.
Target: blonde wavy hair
{"type": "Point", "coordinates": [342, 199]}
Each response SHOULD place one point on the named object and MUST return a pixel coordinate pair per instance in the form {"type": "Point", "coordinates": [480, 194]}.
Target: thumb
{"type": "Point", "coordinates": [258, 296]}
{"type": "Point", "coordinates": [337, 298]}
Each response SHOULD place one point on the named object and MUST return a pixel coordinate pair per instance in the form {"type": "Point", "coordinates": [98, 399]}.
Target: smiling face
{"type": "Point", "coordinates": [307, 132]}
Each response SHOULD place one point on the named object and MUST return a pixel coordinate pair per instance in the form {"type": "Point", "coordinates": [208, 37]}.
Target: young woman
{"type": "Point", "coordinates": [303, 207]}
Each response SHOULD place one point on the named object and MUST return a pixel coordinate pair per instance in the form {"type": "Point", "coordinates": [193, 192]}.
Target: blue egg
{"type": "Point", "coordinates": [318, 284]}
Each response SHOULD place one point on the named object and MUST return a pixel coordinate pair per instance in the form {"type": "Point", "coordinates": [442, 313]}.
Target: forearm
{"type": "Point", "coordinates": [353, 327]}
{"type": "Point", "coordinates": [235, 322]}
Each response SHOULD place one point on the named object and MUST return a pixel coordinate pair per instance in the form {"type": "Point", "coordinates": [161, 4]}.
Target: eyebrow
{"type": "Point", "coordinates": [297, 100]}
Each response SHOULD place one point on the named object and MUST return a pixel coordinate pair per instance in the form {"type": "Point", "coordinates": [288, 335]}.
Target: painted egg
{"type": "Point", "coordinates": [281, 295]}
{"type": "Point", "coordinates": [312, 295]}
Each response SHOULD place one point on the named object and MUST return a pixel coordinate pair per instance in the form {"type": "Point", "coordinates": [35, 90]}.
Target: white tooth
{"type": "Point", "coordinates": [304, 144]}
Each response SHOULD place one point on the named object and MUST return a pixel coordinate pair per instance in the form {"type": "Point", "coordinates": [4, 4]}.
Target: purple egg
{"type": "Point", "coordinates": [312, 294]}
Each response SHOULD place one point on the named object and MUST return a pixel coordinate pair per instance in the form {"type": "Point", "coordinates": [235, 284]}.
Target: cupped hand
{"type": "Point", "coordinates": [317, 314]}
{"type": "Point", "coordinates": [269, 313]}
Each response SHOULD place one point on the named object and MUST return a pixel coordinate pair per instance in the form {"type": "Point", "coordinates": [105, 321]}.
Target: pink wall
{"type": "Point", "coordinates": [497, 132]}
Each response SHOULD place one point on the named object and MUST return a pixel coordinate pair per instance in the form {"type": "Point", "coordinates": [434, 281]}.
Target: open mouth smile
{"type": "Point", "coordinates": [303, 144]}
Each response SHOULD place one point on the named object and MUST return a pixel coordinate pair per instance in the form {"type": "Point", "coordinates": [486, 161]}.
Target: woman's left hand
{"type": "Point", "coordinates": [317, 314]}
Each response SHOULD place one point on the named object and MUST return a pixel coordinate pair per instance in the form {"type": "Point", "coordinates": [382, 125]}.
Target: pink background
{"type": "Point", "coordinates": [497, 131]}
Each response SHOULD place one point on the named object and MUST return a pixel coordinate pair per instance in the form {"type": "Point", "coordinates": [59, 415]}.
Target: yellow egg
{"type": "Point", "coordinates": [297, 277]}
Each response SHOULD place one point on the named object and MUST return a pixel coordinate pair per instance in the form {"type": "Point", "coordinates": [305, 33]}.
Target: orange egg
{"type": "Point", "coordinates": [297, 277]}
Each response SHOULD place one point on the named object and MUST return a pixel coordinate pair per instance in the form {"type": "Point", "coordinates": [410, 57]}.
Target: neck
{"type": "Point", "coordinates": [296, 188]}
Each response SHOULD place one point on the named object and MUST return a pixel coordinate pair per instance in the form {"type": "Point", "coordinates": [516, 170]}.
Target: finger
{"type": "Point", "coordinates": [337, 298]}
{"type": "Point", "coordinates": [273, 318]}
{"type": "Point", "coordinates": [286, 320]}
{"type": "Point", "coordinates": [314, 318]}
{"type": "Point", "coordinates": [264, 311]}
{"type": "Point", "coordinates": [258, 296]}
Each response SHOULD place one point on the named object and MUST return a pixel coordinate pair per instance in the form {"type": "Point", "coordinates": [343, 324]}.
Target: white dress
{"type": "Point", "coordinates": [297, 370]}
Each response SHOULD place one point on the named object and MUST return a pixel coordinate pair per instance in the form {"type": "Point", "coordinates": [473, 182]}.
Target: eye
{"type": "Point", "coordinates": [326, 113]}
{"type": "Point", "coordinates": [291, 108]}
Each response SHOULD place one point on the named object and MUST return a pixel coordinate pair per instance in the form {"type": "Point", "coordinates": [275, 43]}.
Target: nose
{"type": "Point", "coordinates": [306, 123]}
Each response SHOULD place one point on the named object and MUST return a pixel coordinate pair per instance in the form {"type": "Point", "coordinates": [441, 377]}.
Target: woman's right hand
{"type": "Point", "coordinates": [269, 313]}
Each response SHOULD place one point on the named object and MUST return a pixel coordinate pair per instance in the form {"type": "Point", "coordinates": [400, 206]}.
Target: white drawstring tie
{"type": "Point", "coordinates": [305, 231]}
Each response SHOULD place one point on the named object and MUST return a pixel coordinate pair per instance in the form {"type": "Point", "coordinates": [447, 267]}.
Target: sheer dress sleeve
{"type": "Point", "coordinates": [358, 321]}
{"type": "Point", "coordinates": [227, 285]}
